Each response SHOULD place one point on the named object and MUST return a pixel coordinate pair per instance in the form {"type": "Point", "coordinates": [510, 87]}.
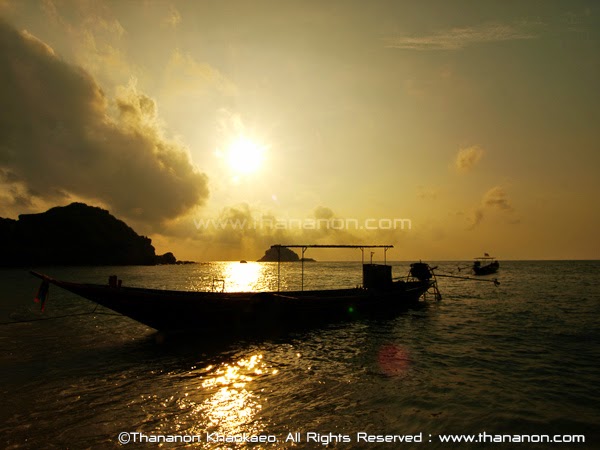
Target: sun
{"type": "Point", "coordinates": [245, 156]}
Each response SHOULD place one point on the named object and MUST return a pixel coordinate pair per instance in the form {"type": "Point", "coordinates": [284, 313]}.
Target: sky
{"type": "Point", "coordinates": [218, 128]}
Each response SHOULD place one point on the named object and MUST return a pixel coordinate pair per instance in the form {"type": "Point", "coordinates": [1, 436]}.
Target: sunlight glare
{"type": "Point", "coordinates": [243, 277]}
{"type": "Point", "coordinates": [245, 156]}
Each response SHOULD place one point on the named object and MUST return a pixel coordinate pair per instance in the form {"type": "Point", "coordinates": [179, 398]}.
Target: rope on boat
{"type": "Point", "coordinates": [42, 294]}
{"type": "Point", "coordinates": [14, 322]}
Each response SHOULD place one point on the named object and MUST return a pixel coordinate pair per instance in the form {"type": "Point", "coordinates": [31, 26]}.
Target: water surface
{"type": "Point", "coordinates": [521, 358]}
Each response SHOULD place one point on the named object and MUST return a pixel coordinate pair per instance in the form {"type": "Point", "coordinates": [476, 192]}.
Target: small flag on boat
{"type": "Point", "coordinates": [42, 294]}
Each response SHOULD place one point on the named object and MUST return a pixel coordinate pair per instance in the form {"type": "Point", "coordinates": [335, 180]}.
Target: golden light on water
{"type": "Point", "coordinates": [243, 277]}
{"type": "Point", "coordinates": [229, 405]}
{"type": "Point", "coordinates": [233, 276]}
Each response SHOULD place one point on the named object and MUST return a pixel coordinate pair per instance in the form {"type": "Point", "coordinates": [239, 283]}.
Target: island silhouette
{"type": "Point", "coordinates": [76, 234]}
{"type": "Point", "coordinates": [282, 254]}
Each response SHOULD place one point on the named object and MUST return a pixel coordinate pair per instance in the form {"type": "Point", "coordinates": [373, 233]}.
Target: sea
{"type": "Point", "coordinates": [510, 366]}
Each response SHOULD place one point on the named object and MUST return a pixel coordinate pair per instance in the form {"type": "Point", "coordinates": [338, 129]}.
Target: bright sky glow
{"type": "Point", "coordinates": [477, 121]}
{"type": "Point", "coordinates": [245, 156]}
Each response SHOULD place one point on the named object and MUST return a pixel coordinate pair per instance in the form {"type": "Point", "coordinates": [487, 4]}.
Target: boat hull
{"type": "Point", "coordinates": [246, 313]}
{"type": "Point", "coordinates": [487, 269]}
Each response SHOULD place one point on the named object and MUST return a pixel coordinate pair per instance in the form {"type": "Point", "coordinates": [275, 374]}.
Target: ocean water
{"type": "Point", "coordinates": [521, 359]}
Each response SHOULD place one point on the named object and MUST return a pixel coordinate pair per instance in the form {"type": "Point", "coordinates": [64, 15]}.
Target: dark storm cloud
{"type": "Point", "coordinates": [57, 136]}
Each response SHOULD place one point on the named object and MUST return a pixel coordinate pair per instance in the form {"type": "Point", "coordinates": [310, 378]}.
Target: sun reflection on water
{"type": "Point", "coordinates": [233, 276]}
{"type": "Point", "coordinates": [243, 277]}
{"type": "Point", "coordinates": [224, 402]}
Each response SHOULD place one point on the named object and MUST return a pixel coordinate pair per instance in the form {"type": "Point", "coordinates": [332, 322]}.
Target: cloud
{"type": "Point", "coordinates": [495, 199]}
{"type": "Point", "coordinates": [92, 36]}
{"type": "Point", "coordinates": [173, 18]}
{"type": "Point", "coordinates": [6, 6]}
{"type": "Point", "coordinates": [475, 217]}
{"type": "Point", "coordinates": [63, 136]}
{"type": "Point", "coordinates": [427, 193]}
{"type": "Point", "coordinates": [185, 75]}
{"type": "Point", "coordinates": [468, 158]}
{"type": "Point", "coordinates": [241, 230]}
{"type": "Point", "coordinates": [38, 43]}
{"type": "Point", "coordinates": [459, 38]}
{"type": "Point", "coordinates": [322, 212]}
{"type": "Point", "coordinates": [238, 231]}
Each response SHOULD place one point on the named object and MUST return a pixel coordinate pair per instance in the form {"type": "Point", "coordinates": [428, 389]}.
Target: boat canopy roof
{"type": "Point", "coordinates": [304, 247]}
{"type": "Point", "coordinates": [329, 246]}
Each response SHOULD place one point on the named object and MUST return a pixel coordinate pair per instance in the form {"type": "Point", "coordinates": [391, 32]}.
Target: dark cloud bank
{"type": "Point", "coordinates": [60, 136]}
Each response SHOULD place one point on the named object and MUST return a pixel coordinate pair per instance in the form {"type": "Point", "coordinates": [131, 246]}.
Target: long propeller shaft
{"type": "Point", "coordinates": [495, 281]}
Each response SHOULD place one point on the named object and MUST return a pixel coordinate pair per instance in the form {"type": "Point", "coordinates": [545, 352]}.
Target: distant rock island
{"type": "Point", "coordinates": [282, 254]}
{"type": "Point", "coordinates": [76, 234]}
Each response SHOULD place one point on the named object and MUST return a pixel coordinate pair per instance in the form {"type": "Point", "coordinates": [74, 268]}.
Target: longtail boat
{"type": "Point", "coordinates": [250, 313]}
{"type": "Point", "coordinates": [485, 265]}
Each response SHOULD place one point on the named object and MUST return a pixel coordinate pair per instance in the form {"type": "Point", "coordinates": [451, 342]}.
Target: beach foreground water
{"type": "Point", "coordinates": [520, 359]}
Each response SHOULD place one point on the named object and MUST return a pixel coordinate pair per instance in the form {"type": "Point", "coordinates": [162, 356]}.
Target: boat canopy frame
{"type": "Point", "coordinates": [304, 247]}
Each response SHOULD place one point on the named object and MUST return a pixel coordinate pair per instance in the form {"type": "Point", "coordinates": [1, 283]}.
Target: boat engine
{"type": "Point", "coordinates": [421, 271]}
{"type": "Point", "coordinates": [424, 272]}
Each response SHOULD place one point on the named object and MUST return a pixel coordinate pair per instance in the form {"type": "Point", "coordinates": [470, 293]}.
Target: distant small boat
{"type": "Point", "coordinates": [485, 265]}
{"type": "Point", "coordinates": [243, 261]}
